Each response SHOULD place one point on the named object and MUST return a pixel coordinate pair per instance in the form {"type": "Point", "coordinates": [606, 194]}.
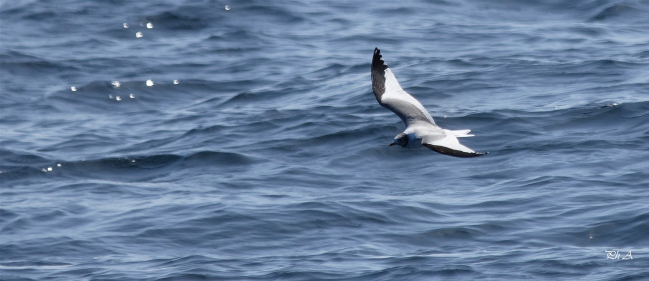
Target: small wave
{"type": "Point", "coordinates": [40, 16]}
{"type": "Point", "coordinates": [331, 70]}
{"type": "Point", "coordinates": [30, 66]}
{"type": "Point", "coordinates": [442, 236]}
{"type": "Point", "coordinates": [609, 230]}
{"type": "Point", "coordinates": [626, 118]}
{"type": "Point", "coordinates": [279, 13]}
{"type": "Point", "coordinates": [183, 19]}
{"type": "Point", "coordinates": [250, 98]}
{"type": "Point", "coordinates": [10, 158]}
{"type": "Point", "coordinates": [617, 11]}
{"type": "Point", "coordinates": [219, 159]}
{"type": "Point", "coordinates": [138, 168]}
{"type": "Point", "coordinates": [38, 265]}
{"type": "Point", "coordinates": [243, 98]}
{"type": "Point", "coordinates": [238, 36]}
{"type": "Point", "coordinates": [128, 96]}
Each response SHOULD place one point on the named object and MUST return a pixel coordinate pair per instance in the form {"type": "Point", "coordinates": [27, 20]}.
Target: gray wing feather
{"type": "Point", "coordinates": [407, 112]}
{"type": "Point", "coordinates": [391, 96]}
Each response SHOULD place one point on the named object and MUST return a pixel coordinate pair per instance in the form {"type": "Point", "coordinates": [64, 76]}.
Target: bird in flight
{"type": "Point", "coordinates": [419, 124]}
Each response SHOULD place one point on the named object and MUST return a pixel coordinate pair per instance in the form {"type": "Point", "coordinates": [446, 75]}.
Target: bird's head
{"type": "Point", "coordinates": [400, 139]}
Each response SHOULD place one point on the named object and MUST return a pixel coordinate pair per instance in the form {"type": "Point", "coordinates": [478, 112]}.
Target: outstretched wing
{"type": "Point", "coordinates": [391, 96]}
{"type": "Point", "coordinates": [449, 145]}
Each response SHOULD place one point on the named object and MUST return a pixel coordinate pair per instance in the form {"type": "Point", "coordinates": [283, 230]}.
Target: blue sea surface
{"type": "Point", "coordinates": [213, 140]}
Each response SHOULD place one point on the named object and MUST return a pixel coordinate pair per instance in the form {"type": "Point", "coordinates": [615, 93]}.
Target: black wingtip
{"type": "Point", "coordinates": [378, 74]}
{"type": "Point", "coordinates": [377, 60]}
{"type": "Point", "coordinates": [453, 152]}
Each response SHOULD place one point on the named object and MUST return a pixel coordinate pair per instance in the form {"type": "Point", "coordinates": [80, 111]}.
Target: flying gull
{"type": "Point", "coordinates": [419, 123]}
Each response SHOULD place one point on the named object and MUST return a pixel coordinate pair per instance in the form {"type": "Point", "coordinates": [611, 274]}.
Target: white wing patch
{"type": "Point", "coordinates": [394, 91]}
{"type": "Point", "coordinates": [449, 141]}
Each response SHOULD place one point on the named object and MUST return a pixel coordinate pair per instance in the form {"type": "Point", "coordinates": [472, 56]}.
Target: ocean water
{"type": "Point", "coordinates": [213, 140]}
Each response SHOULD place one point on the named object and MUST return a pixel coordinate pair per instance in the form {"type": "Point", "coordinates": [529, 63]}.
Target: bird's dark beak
{"type": "Point", "coordinates": [390, 144]}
